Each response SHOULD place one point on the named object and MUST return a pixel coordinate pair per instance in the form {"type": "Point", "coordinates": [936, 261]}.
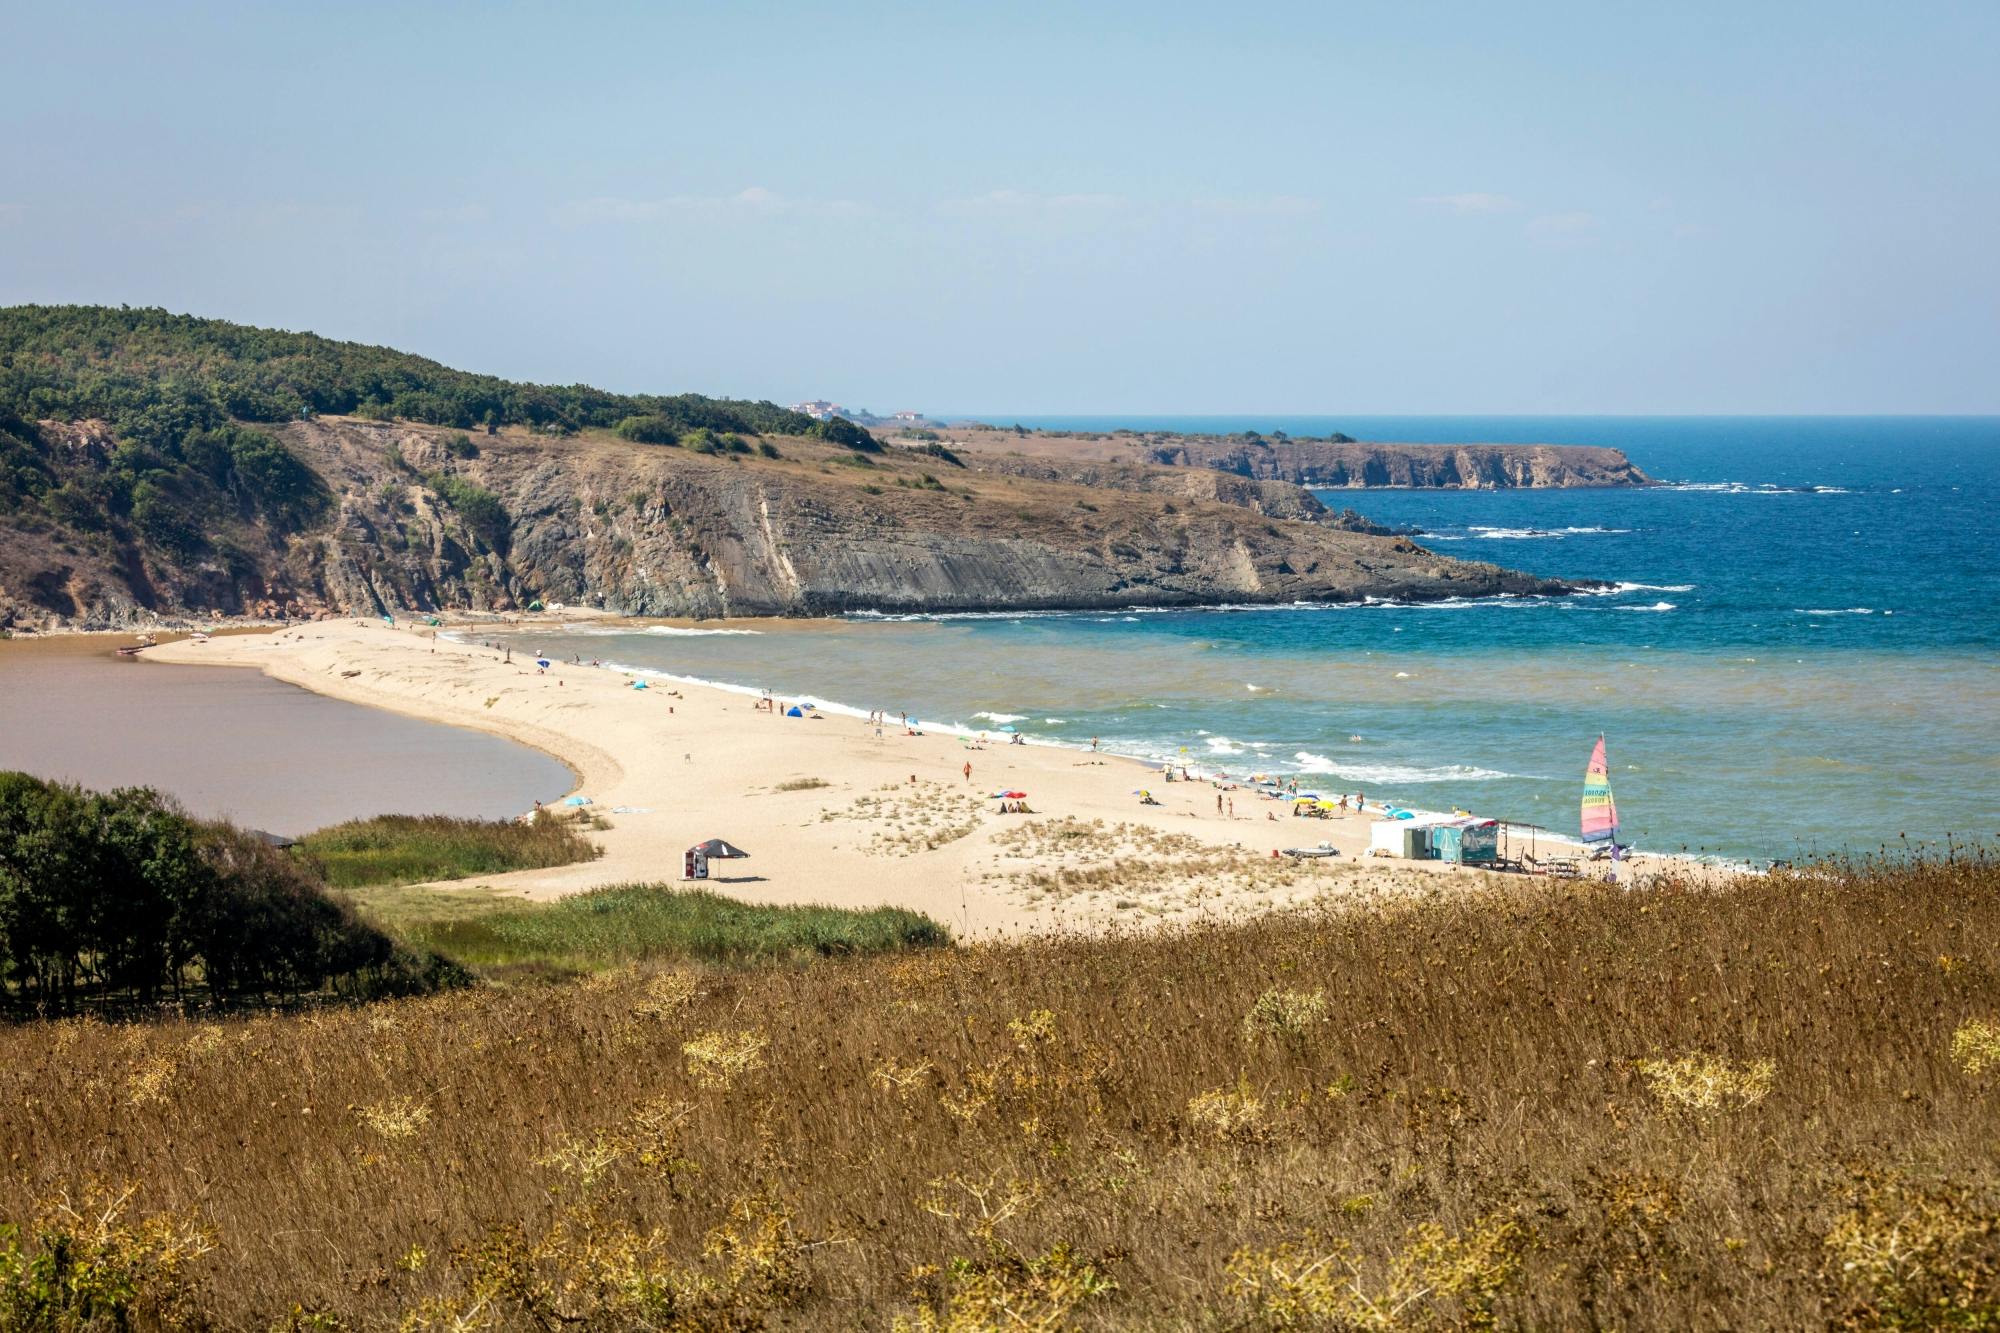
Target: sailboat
{"type": "Point", "coordinates": [1600, 811]}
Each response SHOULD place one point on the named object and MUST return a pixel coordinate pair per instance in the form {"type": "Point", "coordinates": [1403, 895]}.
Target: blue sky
{"type": "Point", "coordinates": [1149, 207]}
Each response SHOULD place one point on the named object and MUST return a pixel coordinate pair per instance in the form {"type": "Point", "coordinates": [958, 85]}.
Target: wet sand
{"type": "Point", "coordinates": [240, 745]}
{"type": "Point", "coordinates": [833, 812]}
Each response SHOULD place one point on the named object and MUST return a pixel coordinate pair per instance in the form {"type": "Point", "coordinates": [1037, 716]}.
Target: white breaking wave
{"type": "Point", "coordinates": [1510, 534]}
{"type": "Point", "coordinates": [1842, 611]}
{"type": "Point", "coordinates": [1319, 763]}
{"type": "Point", "coordinates": [1645, 587]}
{"type": "Point", "coordinates": [661, 631]}
{"type": "Point", "coordinates": [1002, 719]}
{"type": "Point", "coordinates": [1656, 606]}
{"type": "Point", "coordinates": [673, 631]}
{"type": "Point", "coordinates": [1223, 745]}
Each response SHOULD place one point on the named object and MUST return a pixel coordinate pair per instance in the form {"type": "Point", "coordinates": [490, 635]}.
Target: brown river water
{"type": "Point", "coordinates": [232, 743]}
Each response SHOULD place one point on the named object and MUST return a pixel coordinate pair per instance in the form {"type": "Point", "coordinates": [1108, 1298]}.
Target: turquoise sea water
{"type": "Point", "coordinates": [1801, 653]}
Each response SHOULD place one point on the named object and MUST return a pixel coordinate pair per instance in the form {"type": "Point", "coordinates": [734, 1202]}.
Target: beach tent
{"type": "Point", "coordinates": [793, 711]}
{"type": "Point", "coordinates": [694, 861]}
{"type": "Point", "coordinates": [1466, 841]}
{"type": "Point", "coordinates": [577, 800]}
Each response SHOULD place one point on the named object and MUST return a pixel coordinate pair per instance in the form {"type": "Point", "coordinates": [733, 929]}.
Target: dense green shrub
{"type": "Point", "coordinates": [123, 895]}
{"type": "Point", "coordinates": [480, 508]}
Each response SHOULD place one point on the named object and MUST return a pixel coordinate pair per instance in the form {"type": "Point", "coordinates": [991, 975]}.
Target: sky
{"type": "Point", "coordinates": [986, 208]}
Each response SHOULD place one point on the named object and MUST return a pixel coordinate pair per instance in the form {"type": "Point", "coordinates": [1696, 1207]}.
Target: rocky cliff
{"type": "Point", "coordinates": [421, 517]}
{"type": "Point", "coordinates": [1305, 462]}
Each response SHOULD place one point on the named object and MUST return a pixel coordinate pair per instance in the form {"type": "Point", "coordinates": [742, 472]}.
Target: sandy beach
{"type": "Point", "coordinates": [834, 810]}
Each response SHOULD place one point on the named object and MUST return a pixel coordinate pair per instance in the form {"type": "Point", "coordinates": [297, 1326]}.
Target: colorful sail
{"type": "Point", "coordinates": [1600, 812]}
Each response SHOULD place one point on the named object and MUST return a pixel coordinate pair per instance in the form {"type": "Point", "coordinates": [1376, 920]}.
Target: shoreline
{"type": "Point", "coordinates": [834, 812]}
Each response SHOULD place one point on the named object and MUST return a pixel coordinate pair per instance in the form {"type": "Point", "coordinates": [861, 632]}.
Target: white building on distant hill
{"type": "Point", "coordinates": [909, 418]}
{"type": "Point", "coordinates": [819, 409]}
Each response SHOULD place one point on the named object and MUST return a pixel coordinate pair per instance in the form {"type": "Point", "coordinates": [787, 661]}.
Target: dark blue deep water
{"type": "Point", "coordinates": [1800, 651]}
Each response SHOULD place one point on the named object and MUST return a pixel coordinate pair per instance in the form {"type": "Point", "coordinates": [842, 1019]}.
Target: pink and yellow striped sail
{"type": "Point", "coordinates": [1600, 812]}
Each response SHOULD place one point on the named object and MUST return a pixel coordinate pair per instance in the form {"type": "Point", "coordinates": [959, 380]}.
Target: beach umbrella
{"type": "Point", "coordinates": [542, 662]}
{"type": "Point", "coordinates": [1010, 796]}
{"type": "Point", "coordinates": [715, 849]}
{"type": "Point", "coordinates": [1008, 730]}
{"type": "Point", "coordinates": [1142, 792]}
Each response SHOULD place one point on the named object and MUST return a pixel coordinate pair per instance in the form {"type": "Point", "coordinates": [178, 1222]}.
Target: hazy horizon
{"type": "Point", "coordinates": [1135, 209]}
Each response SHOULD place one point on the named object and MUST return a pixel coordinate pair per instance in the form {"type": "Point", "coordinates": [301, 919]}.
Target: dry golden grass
{"type": "Point", "coordinates": [1528, 1107]}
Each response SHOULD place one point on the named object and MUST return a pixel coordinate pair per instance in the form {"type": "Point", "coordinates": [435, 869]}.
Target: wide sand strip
{"type": "Point", "coordinates": [830, 810]}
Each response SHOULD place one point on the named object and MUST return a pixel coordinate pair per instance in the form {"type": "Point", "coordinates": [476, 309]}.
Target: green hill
{"type": "Point", "coordinates": [153, 374]}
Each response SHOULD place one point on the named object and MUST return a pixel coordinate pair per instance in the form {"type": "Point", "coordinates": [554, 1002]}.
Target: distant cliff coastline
{"type": "Point", "coordinates": [1336, 462]}
{"type": "Point", "coordinates": [154, 466]}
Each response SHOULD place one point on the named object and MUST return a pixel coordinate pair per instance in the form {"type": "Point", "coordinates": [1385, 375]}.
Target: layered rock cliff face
{"type": "Point", "coordinates": [648, 530]}
{"type": "Point", "coordinates": [1322, 463]}
{"type": "Point", "coordinates": [1466, 466]}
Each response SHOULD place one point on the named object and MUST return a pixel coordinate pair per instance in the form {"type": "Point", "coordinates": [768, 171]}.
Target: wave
{"type": "Point", "coordinates": [661, 631]}
{"type": "Point", "coordinates": [1002, 719]}
{"type": "Point", "coordinates": [1842, 611]}
{"type": "Point", "coordinates": [1617, 588]}
{"type": "Point", "coordinates": [1748, 488]}
{"type": "Point", "coordinates": [1223, 745]}
{"type": "Point", "coordinates": [1393, 773]}
{"type": "Point", "coordinates": [1656, 606]}
{"type": "Point", "coordinates": [1527, 534]}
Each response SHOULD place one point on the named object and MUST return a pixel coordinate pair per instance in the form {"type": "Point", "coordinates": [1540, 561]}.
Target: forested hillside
{"type": "Point", "coordinates": [155, 375]}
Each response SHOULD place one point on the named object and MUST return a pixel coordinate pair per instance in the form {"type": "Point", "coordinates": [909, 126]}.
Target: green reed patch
{"type": "Point", "coordinates": [410, 849]}
{"type": "Point", "coordinates": [627, 923]}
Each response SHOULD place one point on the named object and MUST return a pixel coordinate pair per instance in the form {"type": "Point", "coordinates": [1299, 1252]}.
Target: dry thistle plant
{"type": "Point", "coordinates": [1705, 1083]}
{"type": "Point", "coordinates": [1288, 1016]}
{"type": "Point", "coordinates": [719, 1059]}
{"type": "Point", "coordinates": [398, 1118]}
{"type": "Point", "coordinates": [1235, 1114]}
{"type": "Point", "coordinates": [668, 993]}
{"type": "Point", "coordinates": [1975, 1046]}
{"type": "Point", "coordinates": [1438, 1278]}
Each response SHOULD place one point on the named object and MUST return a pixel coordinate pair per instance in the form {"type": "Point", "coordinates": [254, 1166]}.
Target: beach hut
{"type": "Point", "coordinates": [1399, 838]}
{"type": "Point", "coordinates": [1466, 841]}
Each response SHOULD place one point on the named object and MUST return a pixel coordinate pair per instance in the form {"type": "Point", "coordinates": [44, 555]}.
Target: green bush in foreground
{"type": "Point", "coordinates": [410, 849]}
{"type": "Point", "coordinates": [632, 922]}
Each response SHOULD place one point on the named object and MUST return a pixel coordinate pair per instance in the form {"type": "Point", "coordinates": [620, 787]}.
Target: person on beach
{"type": "Point", "coordinates": [968, 770]}
{"type": "Point", "coordinates": [1218, 803]}
{"type": "Point", "coordinates": [1093, 745]}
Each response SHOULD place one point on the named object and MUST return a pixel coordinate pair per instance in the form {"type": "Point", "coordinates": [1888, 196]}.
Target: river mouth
{"type": "Point", "coordinates": [236, 744]}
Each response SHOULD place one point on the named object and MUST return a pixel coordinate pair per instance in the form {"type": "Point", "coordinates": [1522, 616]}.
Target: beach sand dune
{"type": "Point", "coordinates": [831, 811]}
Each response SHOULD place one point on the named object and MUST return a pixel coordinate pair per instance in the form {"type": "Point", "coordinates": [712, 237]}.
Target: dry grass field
{"type": "Point", "coordinates": [1774, 1107]}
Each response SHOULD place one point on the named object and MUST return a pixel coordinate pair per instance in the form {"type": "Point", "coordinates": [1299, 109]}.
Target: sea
{"type": "Point", "coordinates": [1798, 654]}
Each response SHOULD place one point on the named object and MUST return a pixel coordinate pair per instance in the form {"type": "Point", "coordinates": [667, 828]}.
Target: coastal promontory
{"type": "Point", "coordinates": [154, 466]}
